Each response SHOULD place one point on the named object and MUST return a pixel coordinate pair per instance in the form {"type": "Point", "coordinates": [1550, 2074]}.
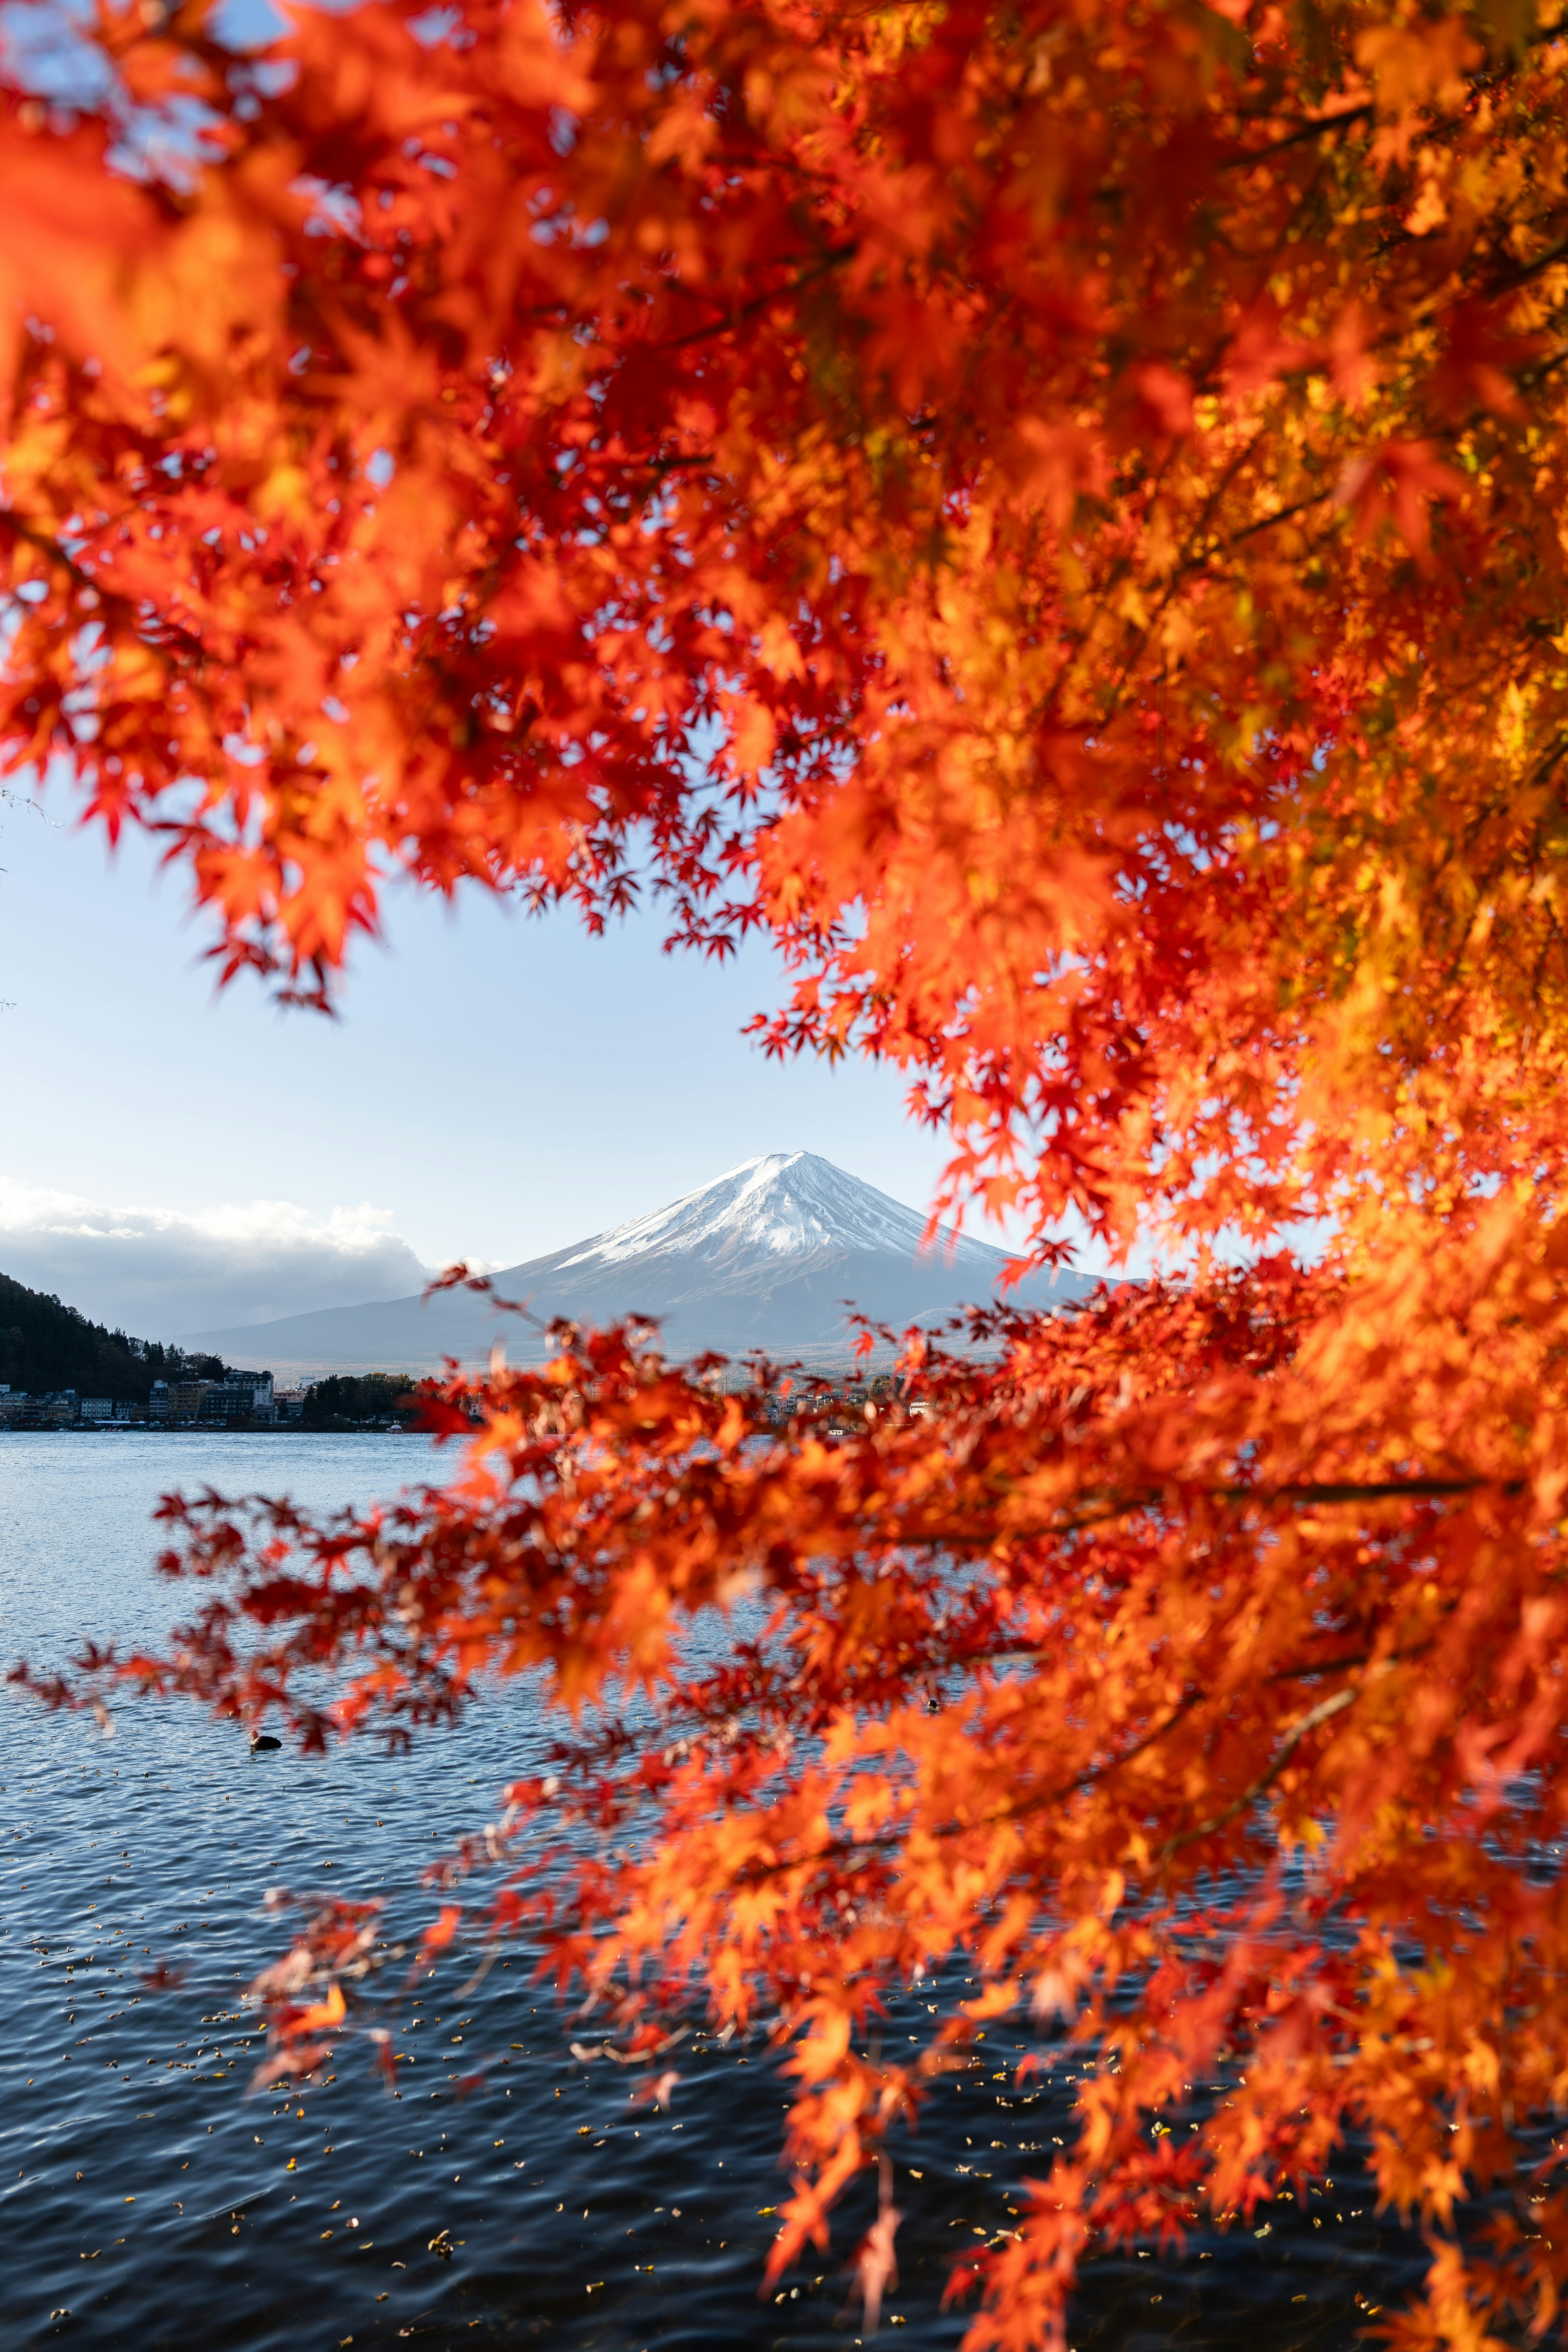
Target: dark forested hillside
{"type": "Point", "coordinates": [46, 1345]}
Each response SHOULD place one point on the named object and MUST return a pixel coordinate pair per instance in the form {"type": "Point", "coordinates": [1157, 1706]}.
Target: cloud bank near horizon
{"type": "Point", "coordinates": [161, 1275]}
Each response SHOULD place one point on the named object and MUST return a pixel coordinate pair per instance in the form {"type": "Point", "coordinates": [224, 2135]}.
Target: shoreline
{"type": "Point", "coordinates": [208, 1429]}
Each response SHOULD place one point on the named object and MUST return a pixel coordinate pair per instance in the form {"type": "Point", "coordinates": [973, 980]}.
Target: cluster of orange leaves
{"type": "Point", "coordinates": [1056, 514]}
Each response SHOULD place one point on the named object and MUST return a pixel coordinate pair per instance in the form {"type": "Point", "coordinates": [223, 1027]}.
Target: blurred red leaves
{"type": "Point", "coordinates": [656, 2090]}
{"type": "Point", "coordinates": [442, 1929]}
{"type": "Point", "coordinates": [1399, 480]}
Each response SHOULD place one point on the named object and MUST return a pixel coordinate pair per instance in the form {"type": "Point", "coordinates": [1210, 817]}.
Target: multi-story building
{"type": "Point", "coordinates": [238, 1396]}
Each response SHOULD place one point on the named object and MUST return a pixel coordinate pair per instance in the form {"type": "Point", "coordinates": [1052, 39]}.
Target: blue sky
{"type": "Point", "coordinates": [497, 1086]}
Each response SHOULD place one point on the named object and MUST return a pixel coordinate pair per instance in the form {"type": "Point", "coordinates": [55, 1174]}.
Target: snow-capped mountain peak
{"type": "Point", "coordinates": [768, 1257]}
{"type": "Point", "coordinates": [781, 1205]}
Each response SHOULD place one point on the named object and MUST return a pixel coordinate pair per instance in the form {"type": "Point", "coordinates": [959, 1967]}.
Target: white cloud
{"type": "Point", "coordinates": [163, 1276]}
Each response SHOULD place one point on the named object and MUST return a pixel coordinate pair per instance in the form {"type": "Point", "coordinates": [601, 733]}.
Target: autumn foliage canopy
{"type": "Point", "coordinates": [1058, 515]}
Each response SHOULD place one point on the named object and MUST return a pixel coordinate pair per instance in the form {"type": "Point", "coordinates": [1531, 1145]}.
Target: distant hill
{"type": "Point", "coordinates": [763, 1257]}
{"type": "Point", "coordinates": [46, 1345]}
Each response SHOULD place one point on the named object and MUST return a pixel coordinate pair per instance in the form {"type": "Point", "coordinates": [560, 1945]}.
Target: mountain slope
{"type": "Point", "coordinates": [762, 1258]}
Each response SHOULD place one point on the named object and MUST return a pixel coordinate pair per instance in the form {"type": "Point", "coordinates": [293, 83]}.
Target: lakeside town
{"type": "Point", "coordinates": [240, 1400]}
{"type": "Point", "coordinates": [376, 1400]}
{"type": "Point", "coordinates": [225, 1400]}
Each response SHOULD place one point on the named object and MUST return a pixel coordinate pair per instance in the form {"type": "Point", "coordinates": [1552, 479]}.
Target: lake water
{"type": "Point", "coordinates": [146, 2201]}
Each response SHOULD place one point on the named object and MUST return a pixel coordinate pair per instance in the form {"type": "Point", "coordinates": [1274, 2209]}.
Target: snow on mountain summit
{"type": "Point", "coordinates": [782, 1204]}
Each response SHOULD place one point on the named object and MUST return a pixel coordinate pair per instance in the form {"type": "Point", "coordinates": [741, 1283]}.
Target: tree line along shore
{"type": "Point", "coordinates": [59, 1369]}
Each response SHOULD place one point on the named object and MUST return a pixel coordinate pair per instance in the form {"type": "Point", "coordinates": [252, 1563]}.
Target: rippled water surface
{"type": "Point", "coordinates": [146, 2201]}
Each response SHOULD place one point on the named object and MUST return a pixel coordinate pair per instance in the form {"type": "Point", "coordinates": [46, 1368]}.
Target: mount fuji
{"type": "Point", "coordinates": [764, 1256]}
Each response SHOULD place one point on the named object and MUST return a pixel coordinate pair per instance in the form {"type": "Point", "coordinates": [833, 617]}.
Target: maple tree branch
{"type": "Point", "coordinates": [1539, 37]}
{"type": "Point", "coordinates": [1263, 522]}
{"type": "Point", "coordinates": [1525, 270]}
{"type": "Point", "coordinates": [1309, 130]}
{"type": "Point", "coordinates": [851, 1849]}
{"type": "Point", "coordinates": [1373, 1490]}
{"type": "Point", "coordinates": [1217, 1822]}
{"type": "Point", "coordinates": [845, 1849]}
{"type": "Point", "coordinates": [1093, 1775]}
{"type": "Point", "coordinates": [1280, 1674]}
{"type": "Point", "coordinates": [670, 464]}
{"type": "Point", "coordinates": [1183, 571]}
{"type": "Point", "coordinates": [886, 1842]}
{"type": "Point", "coordinates": [19, 528]}
{"type": "Point", "coordinates": [110, 599]}
{"type": "Point", "coordinates": [822, 268]}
